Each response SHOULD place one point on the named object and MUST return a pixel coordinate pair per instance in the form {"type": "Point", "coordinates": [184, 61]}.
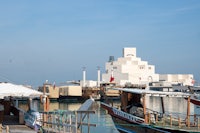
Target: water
{"type": "Point", "coordinates": [103, 121]}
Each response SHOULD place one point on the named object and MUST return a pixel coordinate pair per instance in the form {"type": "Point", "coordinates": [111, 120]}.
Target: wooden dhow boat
{"type": "Point", "coordinates": [134, 116]}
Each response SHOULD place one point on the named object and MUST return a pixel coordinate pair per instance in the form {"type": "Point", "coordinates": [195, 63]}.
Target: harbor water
{"type": "Point", "coordinates": [103, 121]}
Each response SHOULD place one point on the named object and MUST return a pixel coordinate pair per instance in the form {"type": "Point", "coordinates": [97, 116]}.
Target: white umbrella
{"type": "Point", "coordinates": [9, 89]}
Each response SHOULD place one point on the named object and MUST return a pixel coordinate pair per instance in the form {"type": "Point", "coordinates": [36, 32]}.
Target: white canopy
{"type": "Point", "coordinates": [9, 89]}
{"type": "Point", "coordinates": [154, 93]}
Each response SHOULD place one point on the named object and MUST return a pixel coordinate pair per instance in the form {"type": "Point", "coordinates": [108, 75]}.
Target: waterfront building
{"type": "Point", "coordinates": [88, 83]}
{"type": "Point", "coordinates": [182, 79]}
{"type": "Point", "coordinates": [70, 91]}
{"type": "Point", "coordinates": [129, 69]}
{"type": "Point", "coordinates": [51, 90]}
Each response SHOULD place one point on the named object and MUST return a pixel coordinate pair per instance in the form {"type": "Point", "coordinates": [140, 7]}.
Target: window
{"type": "Point", "coordinates": [115, 67]}
{"type": "Point", "coordinates": [141, 67]}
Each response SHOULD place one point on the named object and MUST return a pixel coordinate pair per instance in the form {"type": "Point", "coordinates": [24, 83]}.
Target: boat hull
{"type": "Point", "coordinates": [127, 127]}
{"type": "Point", "coordinates": [127, 123]}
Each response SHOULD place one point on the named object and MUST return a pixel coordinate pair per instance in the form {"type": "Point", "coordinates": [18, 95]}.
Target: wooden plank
{"type": "Point", "coordinates": [18, 129]}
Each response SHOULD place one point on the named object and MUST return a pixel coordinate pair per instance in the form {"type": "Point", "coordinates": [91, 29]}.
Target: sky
{"type": "Point", "coordinates": [53, 40]}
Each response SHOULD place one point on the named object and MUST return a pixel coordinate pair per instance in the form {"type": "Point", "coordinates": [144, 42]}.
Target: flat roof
{"type": "Point", "coordinates": [153, 93]}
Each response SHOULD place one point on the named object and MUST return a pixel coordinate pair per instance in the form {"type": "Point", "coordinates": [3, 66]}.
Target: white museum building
{"type": "Point", "coordinates": [131, 69]}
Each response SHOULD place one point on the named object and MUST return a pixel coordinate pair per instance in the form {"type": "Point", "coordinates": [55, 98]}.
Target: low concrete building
{"type": "Point", "coordinates": [51, 90]}
{"type": "Point", "coordinates": [183, 79]}
{"type": "Point", "coordinates": [70, 91]}
{"type": "Point", "coordinates": [88, 83]}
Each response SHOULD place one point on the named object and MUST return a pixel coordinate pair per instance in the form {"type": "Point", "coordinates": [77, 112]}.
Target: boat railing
{"type": "Point", "coordinates": [193, 120]}
{"type": "Point", "coordinates": [172, 120]}
{"type": "Point", "coordinates": [65, 121]}
{"type": "Point", "coordinates": [154, 112]}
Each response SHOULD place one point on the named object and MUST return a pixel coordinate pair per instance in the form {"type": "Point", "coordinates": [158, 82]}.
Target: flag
{"type": "Point", "coordinates": [111, 78]}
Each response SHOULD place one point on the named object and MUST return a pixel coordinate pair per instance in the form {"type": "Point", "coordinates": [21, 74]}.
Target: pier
{"type": "Point", "coordinates": [65, 121]}
{"type": "Point", "coordinates": [12, 124]}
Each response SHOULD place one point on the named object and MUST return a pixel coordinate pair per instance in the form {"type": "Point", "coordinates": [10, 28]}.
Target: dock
{"type": "Point", "coordinates": [11, 124]}
{"type": "Point", "coordinates": [66, 121]}
{"type": "Point", "coordinates": [17, 129]}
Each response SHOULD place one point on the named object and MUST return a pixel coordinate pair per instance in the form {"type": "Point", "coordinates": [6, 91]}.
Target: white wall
{"type": "Point", "coordinates": [129, 68]}
{"type": "Point", "coordinates": [89, 83]}
{"type": "Point", "coordinates": [185, 79]}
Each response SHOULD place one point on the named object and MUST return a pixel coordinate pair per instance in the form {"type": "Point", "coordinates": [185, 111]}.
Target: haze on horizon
{"type": "Point", "coordinates": [53, 40]}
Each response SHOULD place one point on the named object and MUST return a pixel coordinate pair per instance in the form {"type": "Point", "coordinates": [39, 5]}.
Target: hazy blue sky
{"type": "Point", "coordinates": [54, 39]}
